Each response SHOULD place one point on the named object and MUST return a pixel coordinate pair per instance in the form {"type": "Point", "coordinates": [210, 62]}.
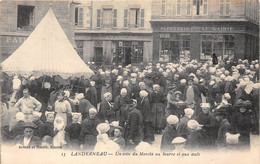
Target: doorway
{"type": "Point", "coordinates": [98, 58]}
{"type": "Point", "coordinates": [128, 55]}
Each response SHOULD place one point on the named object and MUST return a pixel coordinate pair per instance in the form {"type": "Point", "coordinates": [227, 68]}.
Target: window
{"type": "Point", "coordinates": [205, 7]}
{"type": "Point", "coordinates": [79, 45]}
{"type": "Point", "coordinates": [227, 7]}
{"type": "Point", "coordinates": [107, 18]}
{"type": "Point", "coordinates": [224, 7]}
{"type": "Point", "coordinates": [98, 18]}
{"type": "Point", "coordinates": [175, 48]}
{"type": "Point", "coordinates": [142, 17]}
{"type": "Point", "coordinates": [221, 7]}
{"type": "Point", "coordinates": [129, 52]}
{"type": "Point", "coordinates": [79, 16]}
{"type": "Point", "coordinates": [163, 13]}
{"type": "Point", "coordinates": [137, 52]}
{"type": "Point", "coordinates": [133, 18]}
{"type": "Point", "coordinates": [165, 53]}
{"type": "Point", "coordinates": [126, 18]}
{"type": "Point", "coordinates": [178, 7]}
{"type": "Point", "coordinates": [115, 18]}
{"type": "Point", "coordinates": [221, 45]}
{"type": "Point", "coordinates": [88, 17]}
{"type": "Point", "coordinates": [188, 7]}
{"type": "Point", "coordinates": [25, 18]}
{"type": "Point", "coordinates": [196, 6]}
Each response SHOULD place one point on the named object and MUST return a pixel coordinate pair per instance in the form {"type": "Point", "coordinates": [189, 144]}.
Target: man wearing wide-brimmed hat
{"type": "Point", "coordinates": [241, 122]}
{"type": "Point", "coordinates": [28, 139]}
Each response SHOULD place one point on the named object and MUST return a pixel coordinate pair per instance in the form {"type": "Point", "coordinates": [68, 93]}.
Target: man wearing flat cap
{"type": "Point", "coordinates": [191, 93]}
{"type": "Point", "coordinates": [28, 139]}
{"type": "Point", "coordinates": [118, 133]}
{"type": "Point", "coordinates": [224, 127]}
{"type": "Point", "coordinates": [134, 124]}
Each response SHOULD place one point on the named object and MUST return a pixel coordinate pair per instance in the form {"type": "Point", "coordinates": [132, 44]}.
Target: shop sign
{"type": "Point", "coordinates": [13, 40]}
{"type": "Point", "coordinates": [197, 29]}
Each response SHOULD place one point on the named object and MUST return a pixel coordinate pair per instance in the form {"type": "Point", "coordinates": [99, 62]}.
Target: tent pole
{"type": "Point", "coordinates": [43, 81]}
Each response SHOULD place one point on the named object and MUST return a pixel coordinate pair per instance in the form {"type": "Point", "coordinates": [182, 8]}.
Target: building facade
{"type": "Point", "coordinates": [19, 18]}
{"type": "Point", "coordinates": [111, 31]}
{"type": "Point", "coordinates": [195, 29]}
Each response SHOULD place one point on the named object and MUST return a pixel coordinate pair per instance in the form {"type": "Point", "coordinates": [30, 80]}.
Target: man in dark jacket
{"type": "Point", "coordinates": [191, 93]}
{"type": "Point", "coordinates": [88, 135]}
{"type": "Point", "coordinates": [146, 110]}
{"type": "Point", "coordinates": [133, 130]}
{"type": "Point", "coordinates": [84, 105]}
{"type": "Point", "coordinates": [224, 127]}
{"type": "Point", "coordinates": [209, 122]}
{"type": "Point", "coordinates": [105, 111]}
{"type": "Point", "coordinates": [169, 133]}
{"type": "Point", "coordinates": [120, 105]}
{"type": "Point", "coordinates": [28, 139]}
{"type": "Point", "coordinates": [91, 94]}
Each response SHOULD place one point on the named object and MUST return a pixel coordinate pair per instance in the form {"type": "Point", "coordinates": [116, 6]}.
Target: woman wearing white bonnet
{"type": "Point", "coordinates": [103, 141]}
{"type": "Point", "coordinates": [195, 139]}
{"type": "Point", "coordinates": [183, 128]}
{"type": "Point", "coordinates": [59, 126]}
{"type": "Point", "coordinates": [143, 147]}
{"type": "Point", "coordinates": [106, 84]}
{"type": "Point", "coordinates": [169, 133]}
{"type": "Point", "coordinates": [179, 144]}
{"type": "Point", "coordinates": [232, 141]}
{"type": "Point", "coordinates": [143, 94]}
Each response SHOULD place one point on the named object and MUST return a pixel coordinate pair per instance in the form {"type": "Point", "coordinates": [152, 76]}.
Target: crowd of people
{"type": "Point", "coordinates": [192, 105]}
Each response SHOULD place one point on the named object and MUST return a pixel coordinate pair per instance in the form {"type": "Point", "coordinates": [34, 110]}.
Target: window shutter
{"type": "Point", "coordinates": [178, 7]}
{"type": "Point", "coordinates": [76, 15]}
{"type": "Point", "coordinates": [101, 18]}
{"type": "Point", "coordinates": [80, 17]}
{"type": "Point", "coordinates": [31, 21]}
{"type": "Point", "coordinates": [115, 18]}
{"type": "Point", "coordinates": [126, 18]}
{"type": "Point", "coordinates": [163, 11]}
{"type": "Point", "coordinates": [227, 7]}
{"type": "Point", "coordinates": [188, 7]}
{"type": "Point", "coordinates": [194, 2]}
{"type": "Point", "coordinates": [205, 7]}
{"type": "Point", "coordinates": [98, 18]}
{"type": "Point", "coordinates": [88, 17]}
{"type": "Point", "coordinates": [221, 7]}
{"type": "Point", "coordinates": [142, 17]}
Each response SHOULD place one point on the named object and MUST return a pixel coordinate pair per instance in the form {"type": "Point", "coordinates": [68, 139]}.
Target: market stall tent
{"type": "Point", "coordinates": [47, 51]}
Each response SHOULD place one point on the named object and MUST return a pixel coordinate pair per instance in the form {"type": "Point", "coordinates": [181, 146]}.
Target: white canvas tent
{"type": "Point", "coordinates": [47, 51]}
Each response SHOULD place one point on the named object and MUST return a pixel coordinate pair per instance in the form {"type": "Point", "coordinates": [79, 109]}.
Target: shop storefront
{"type": "Point", "coordinates": [114, 48]}
{"type": "Point", "coordinates": [9, 43]}
{"type": "Point", "coordinates": [178, 41]}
